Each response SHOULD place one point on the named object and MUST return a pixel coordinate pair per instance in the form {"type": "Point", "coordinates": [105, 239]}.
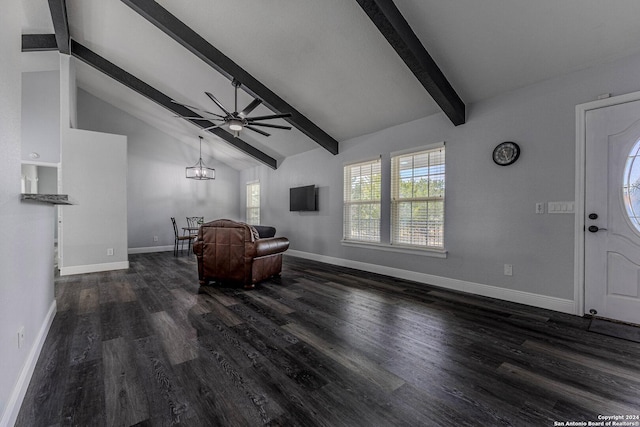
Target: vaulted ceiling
{"type": "Point", "coordinates": [328, 61]}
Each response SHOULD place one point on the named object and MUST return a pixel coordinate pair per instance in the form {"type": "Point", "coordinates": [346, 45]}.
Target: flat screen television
{"type": "Point", "coordinates": [303, 198]}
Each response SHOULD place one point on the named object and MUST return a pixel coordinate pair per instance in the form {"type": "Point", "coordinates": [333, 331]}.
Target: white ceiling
{"type": "Point", "coordinates": [328, 60]}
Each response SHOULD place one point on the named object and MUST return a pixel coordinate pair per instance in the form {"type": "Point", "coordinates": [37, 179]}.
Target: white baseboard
{"type": "Point", "coordinates": [17, 395]}
{"type": "Point", "coordinates": [93, 268]}
{"type": "Point", "coordinates": [151, 249]}
{"type": "Point", "coordinates": [535, 300]}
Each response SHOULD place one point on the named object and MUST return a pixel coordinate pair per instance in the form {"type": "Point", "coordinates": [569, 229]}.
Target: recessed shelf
{"type": "Point", "coordinates": [52, 199]}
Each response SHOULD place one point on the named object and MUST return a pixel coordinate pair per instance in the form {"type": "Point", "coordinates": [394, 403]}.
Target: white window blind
{"type": "Point", "coordinates": [253, 203]}
{"type": "Point", "coordinates": [362, 201]}
{"type": "Point", "coordinates": [417, 199]}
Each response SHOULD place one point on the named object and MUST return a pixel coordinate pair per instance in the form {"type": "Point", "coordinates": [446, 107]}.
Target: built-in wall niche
{"type": "Point", "coordinates": [39, 179]}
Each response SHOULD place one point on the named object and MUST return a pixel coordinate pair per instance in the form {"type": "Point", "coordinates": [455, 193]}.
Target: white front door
{"type": "Point", "coordinates": [612, 209]}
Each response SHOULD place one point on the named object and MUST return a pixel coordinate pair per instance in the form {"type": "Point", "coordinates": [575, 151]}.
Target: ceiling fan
{"type": "Point", "coordinates": [237, 120]}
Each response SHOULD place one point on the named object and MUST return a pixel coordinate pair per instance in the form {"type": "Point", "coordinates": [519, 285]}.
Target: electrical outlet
{"type": "Point", "coordinates": [21, 337]}
{"type": "Point", "coordinates": [508, 270]}
{"type": "Point", "coordinates": [155, 238]}
{"type": "Point", "coordinates": [109, 251]}
{"type": "Point", "coordinates": [539, 208]}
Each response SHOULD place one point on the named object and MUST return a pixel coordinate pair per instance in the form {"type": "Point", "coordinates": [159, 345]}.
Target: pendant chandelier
{"type": "Point", "coordinates": [199, 171]}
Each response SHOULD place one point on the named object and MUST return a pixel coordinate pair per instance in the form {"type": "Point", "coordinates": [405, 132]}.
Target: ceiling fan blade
{"type": "Point", "coordinates": [213, 127]}
{"type": "Point", "coordinates": [197, 109]}
{"type": "Point", "coordinates": [218, 103]}
{"type": "Point", "coordinates": [257, 130]}
{"type": "Point", "coordinates": [273, 116]}
{"type": "Point", "coordinates": [268, 125]}
{"type": "Point", "coordinates": [249, 108]}
{"type": "Point", "coordinates": [198, 118]}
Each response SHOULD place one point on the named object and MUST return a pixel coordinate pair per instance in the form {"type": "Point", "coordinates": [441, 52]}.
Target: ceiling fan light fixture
{"type": "Point", "coordinates": [236, 121]}
{"type": "Point", "coordinates": [235, 125]}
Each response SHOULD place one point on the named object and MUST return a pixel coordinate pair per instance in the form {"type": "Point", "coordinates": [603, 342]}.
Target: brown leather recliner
{"type": "Point", "coordinates": [230, 251]}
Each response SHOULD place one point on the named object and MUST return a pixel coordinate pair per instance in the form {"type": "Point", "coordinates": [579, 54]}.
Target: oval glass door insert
{"type": "Point", "coordinates": [631, 185]}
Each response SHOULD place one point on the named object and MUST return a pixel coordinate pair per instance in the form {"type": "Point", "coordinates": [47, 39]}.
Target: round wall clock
{"type": "Point", "coordinates": [506, 153]}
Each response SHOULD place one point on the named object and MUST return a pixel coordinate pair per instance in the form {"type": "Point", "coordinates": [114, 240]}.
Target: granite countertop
{"type": "Point", "coordinates": [52, 199]}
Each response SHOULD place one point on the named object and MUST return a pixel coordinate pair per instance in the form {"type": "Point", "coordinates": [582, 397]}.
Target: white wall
{"type": "Point", "coordinates": [490, 215]}
{"type": "Point", "coordinates": [94, 175]}
{"type": "Point", "coordinates": [156, 187]}
{"type": "Point", "coordinates": [26, 237]}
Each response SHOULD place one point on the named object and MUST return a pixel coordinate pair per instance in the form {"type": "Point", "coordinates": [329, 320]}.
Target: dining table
{"type": "Point", "coordinates": [191, 230]}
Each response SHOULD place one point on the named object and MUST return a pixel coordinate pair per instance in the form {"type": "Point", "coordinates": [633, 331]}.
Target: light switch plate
{"type": "Point", "coordinates": [561, 207]}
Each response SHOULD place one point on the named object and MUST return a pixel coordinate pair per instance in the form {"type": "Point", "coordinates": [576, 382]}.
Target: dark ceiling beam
{"type": "Point", "coordinates": [39, 42]}
{"type": "Point", "coordinates": [58, 10]}
{"type": "Point", "coordinates": [390, 22]}
{"type": "Point", "coordinates": [101, 64]}
{"type": "Point", "coordinates": [188, 38]}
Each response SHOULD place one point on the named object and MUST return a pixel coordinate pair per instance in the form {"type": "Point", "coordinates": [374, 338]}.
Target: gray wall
{"type": "Point", "coordinates": [490, 215]}
{"type": "Point", "coordinates": [94, 175]}
{"type": "Point", "coordinates": [41, 116]}
{"type": "Point", "coordinates": [47, 180]}
{"type": "Point", "coordinates": [26, 235]}
{"type": "Point", "coordinates": [156, 185]}
{"type": "Point", "coordinates": [48, 184]}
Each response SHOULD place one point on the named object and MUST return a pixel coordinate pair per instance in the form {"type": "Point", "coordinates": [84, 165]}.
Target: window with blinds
{"type": "Point", "coordinates": [417, 199]}
{"type": "Point", "coordinates": [362, 201]}
{"type": "Point", "coordinates": [253, 203]}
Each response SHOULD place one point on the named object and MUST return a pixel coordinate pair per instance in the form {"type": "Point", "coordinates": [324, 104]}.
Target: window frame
{"type": "Point", "coordinates": [250, 208]}
{"type": "Point", "coordinates": [397, 200]}
{"type": "Point", "coordinates": [373, 202]}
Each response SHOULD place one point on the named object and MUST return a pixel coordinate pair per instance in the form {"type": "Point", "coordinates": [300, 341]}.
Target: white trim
{"type": "Point", "coordinates": [150, 249]}
{"type": "Point", "coordinates": [535, 300]}
{"type": "Point", "coordinates": [364, 160]}
{"type": "Point", "coordinates": [581, 143]}
{"type": "Point", "coordinates": [35, 163]}
{"type": "Point", "coordinates": [419, 149]}
{"type": "Point", "coordinates": [94, 268]}
{"type": "Point", "coordinates": [436, 253]}
{"type": "Point", "coordinates": [17, 395]}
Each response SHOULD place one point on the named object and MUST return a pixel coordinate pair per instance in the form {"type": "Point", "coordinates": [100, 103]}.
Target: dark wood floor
{"type": "Point", "coordinates": [321, 345]}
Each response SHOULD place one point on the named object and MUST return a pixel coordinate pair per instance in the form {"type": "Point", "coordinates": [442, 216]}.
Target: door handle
{"type": "Point", "coordinates": [595, 229]}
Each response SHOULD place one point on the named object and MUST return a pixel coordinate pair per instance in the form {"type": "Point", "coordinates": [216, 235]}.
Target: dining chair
{"type": "Point", "coordinates": [180, 239]}
{"type": "Point", "coordinates": [194, 222]}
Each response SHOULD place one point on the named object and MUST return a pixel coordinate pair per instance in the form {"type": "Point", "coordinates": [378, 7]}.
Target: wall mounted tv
{"type": "Point", "coordinates": [303, 198]}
